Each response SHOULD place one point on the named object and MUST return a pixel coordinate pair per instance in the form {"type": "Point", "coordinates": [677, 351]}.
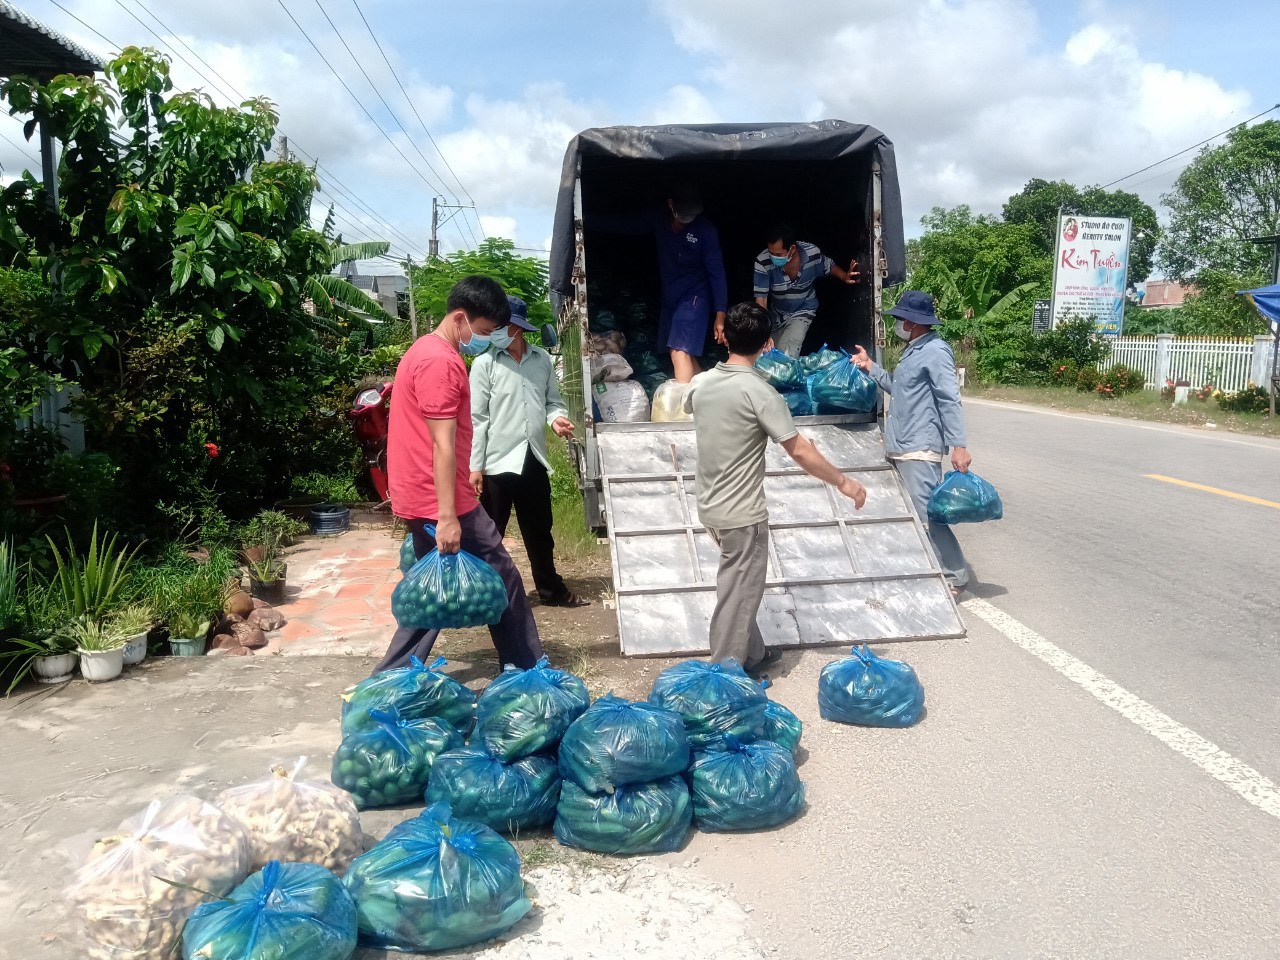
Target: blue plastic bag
{"type": "Point", "coordinates": [870, 691]}
{"type": "Point", "coordinates": [640, 818]}
{"type": "Point", "coordinates": [964, 498]}
{"type": "Point", "coordinates": [507, 797]}
{"type": "Point", "coordinates": [819, 360]}
{"type": "Point", "coordinates": [618, 742]}
{"type": "Point", "coordinates": [407, 555]}
{"type": "Point", "coordinates": [390, 762]}
{"type": "Point", "coordinates": [714, 699]}
{"type": "Point", "coordinates": [289, 911]}
{"type": "Point", "coordinates": [782, 371]}
{"type": "Point", "coordinates": [745, 786]}
{"type": "Point", "coordinates": [449, 591]}
{"type": "Point", "coordinates": [527, 711]}
{"type": "Point", "coordinates": [782, 727]}
{"type": "Point", "coordinates": [799, 403]}
{"type": "Point", "coordinates": [436, 883]}
{"type": "Point", "coordinates": [416, 692]}
{"type": "Point", "coordinates": [841, 386]}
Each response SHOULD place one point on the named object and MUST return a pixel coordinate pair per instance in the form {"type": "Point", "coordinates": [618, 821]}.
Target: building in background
{"type": "Point", "coordinates": [1165, 294]}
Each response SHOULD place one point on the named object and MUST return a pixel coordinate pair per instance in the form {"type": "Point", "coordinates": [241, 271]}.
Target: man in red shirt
{"type": "Point", "coordinates": [429, 465]}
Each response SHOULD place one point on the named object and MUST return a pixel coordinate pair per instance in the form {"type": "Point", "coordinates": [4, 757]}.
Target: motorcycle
{"type": "Point", "coordinates": [368, 415]}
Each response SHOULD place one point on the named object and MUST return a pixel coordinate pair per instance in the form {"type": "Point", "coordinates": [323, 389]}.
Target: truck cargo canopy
{"type": "Point", "coordinates": [682, 148]}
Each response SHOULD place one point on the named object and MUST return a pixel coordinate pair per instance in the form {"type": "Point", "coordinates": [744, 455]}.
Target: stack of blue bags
{"type": "Point", "coordinates": [825, 382]}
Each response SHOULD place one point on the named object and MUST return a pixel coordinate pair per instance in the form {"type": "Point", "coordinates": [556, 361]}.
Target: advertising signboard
{"type": "Point", "coordinates": [1091, 270]}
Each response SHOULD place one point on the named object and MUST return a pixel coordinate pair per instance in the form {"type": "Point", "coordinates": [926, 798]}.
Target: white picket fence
{"type": "Point", "coordinates": [1227, 363]}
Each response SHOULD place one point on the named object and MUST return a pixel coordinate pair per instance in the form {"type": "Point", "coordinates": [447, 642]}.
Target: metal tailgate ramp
{"type": "Point", "coordinates": [836, 575]}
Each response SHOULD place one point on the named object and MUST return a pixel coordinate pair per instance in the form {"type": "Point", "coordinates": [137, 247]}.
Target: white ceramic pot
{"type": "Point", "coordinates": [100, 665]}
{"type": "Point", "coordinates": [135, 649]}
{"type": "Point", "coordinates": [55, 669]}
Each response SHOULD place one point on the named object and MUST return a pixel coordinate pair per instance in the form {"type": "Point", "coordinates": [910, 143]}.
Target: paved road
{"type": "Point", "coordinates": [1172, 592]}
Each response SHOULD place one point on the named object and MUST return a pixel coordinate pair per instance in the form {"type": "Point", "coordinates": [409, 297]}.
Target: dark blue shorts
{"type": "Point", "coordinates": [684, 326]}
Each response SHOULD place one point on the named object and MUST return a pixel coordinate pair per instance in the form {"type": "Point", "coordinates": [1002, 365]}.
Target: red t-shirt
{"type": "Point", "coordinates": [431, 384]}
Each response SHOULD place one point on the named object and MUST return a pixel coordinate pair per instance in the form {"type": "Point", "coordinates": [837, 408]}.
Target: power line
{"type": "Point", "coordinates": [1173, 156]}
{"type": "Point", "coordinates": [172, 49]}
{"type": "Point", "coordinates": [21, 149]}
{"type": "Point", "coordinates": [110, 43]}
{"type": "Point", "coordinates": [413, 107]}
{"type": "Point", "coordinates": [351, 93]}
{"type": "Point", "coordinates": [174, 33]}
{"type": "Point", "coordinates": [378, 93]}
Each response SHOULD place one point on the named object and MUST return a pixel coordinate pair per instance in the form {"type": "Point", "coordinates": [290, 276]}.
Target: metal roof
{"type": "Point", "coordinates": [27, 46]}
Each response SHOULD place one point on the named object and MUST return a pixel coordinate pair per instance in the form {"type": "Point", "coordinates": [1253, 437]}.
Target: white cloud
{"type": "Point", "coordinates": [974, 98]}
{"type": "Point", "coordinates": [683, 104]}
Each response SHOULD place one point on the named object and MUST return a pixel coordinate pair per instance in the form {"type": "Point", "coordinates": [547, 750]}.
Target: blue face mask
{"type": "Point", "coordinates": [477, 345]}
{"type": "Point", "coordinates": [502, 338]}
{"type": "Point", "coordinates": [779, 261]}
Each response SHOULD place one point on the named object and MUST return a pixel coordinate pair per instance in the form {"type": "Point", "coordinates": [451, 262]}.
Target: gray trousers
{"type": "Point", "coordinates": [920, 477]}
{"type": "Point", "coordinates": [788, 336]}
{"type": "Point", "coordinates": [744, 565]}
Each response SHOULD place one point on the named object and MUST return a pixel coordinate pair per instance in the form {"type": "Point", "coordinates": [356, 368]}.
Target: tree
{"type": "Point", "coordinates": [1040, 202]}
{"type": "Point", "coordinates": [181, 256]}
{"type": "Point", "coordinates": [524, 277]}
{"type": "Point", "coordinates": [1228, 194]}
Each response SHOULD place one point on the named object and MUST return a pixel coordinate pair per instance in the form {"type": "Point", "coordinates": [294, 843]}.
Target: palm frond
{"type": "Point", "coordinates": [338, 292]}
{"type": "Point", "coordinates": [367, 250]}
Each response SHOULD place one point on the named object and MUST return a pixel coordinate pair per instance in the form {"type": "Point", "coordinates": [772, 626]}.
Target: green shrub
{"type": "Point", "coordinates": [1119, 380]}
{"type": "Point", "coordinates": [1252, 399]}
{"type": "Point", "coordinates": [1087, 379]}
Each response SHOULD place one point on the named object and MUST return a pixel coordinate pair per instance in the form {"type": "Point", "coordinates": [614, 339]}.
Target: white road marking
{"type": "Point", "coordinates": [1209, 757]}
{"type": "Point", "coordinates": [1122, 422]}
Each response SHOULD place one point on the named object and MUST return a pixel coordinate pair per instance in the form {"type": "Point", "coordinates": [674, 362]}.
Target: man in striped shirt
{"type": "Point", "coordinates": [785, 272]}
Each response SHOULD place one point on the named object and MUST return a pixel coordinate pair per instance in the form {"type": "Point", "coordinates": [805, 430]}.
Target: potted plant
{"type": "Point", "coordinates": [188, 633]}
{"type": "Point", "coordinates": [100, 647]}
{"type": "Point", "coordinates": [50, 658]}
{"type": "Point", "coordinates": [134, 624]}
{"type": "Point", "coordinates": [267, 575]}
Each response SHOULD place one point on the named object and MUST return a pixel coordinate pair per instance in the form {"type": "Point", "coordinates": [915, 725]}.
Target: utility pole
{"type": "Point", "coordinates": [434, 250]}
{"type": "Point", "coordinates": [284, 148]}
{"type": "Point", "coordinates": [413, 313]}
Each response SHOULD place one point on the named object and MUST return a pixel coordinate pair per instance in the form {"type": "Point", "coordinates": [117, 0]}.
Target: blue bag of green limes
{"type": "Point", "coordinates": [843, 388]}
{"type": "Point", "coordinates": [417, 692]}
{"type": "Point", "coordinates": [285, 911]}
{"type": "Point", "coordinates": [780, 724]}
{"type": "Point", "coordinates": [964, 498]}
{"type": "Point", "coordinates": [449, 591]}
{"type": "Point", "coordinates": [507, 797]}
{"type": "Point", "coordinates": [389, 763]}
{"type": "Point", "coordinates": [870, 691]}
{"type": "Point", "coordinates": [436, 883]}
{"type": "Point", "coordinates": [408, 556]}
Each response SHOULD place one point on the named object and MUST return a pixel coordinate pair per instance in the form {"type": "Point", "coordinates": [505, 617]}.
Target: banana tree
{"type": "Point", "coordinates": [969, 302]}
{"type": "Point", "coordinates": [336, 298]}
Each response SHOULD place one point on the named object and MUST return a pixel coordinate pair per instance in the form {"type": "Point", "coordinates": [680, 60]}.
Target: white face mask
{"type": "Point", "coordinates": [502, 338]}
{"type": "Point", "coordinates": [900, 328]}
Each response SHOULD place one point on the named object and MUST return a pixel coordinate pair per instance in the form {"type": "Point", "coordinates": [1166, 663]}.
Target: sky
{"type": "Point", "coordinates": [978, 96]}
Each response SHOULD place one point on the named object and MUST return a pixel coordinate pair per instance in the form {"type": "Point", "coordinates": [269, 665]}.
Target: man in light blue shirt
{"type": "Point", "coordinates": [514, 397]}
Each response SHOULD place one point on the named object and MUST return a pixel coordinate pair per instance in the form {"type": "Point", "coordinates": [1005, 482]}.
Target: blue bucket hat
{"type": "Point", "coordinates": [916, 306]}
{"type": "Point", "coordinates": [520, 314]}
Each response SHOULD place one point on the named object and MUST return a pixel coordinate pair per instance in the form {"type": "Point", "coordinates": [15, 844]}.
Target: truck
{"type": "Point", "coordinates": [836, 575]}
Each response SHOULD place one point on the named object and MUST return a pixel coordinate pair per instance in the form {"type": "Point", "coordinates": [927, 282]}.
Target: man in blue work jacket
{"type": "Point", "coordinates": [514, 398]}
{"type": "Point", "coordinates": [924, 419]}
{"type": "Point", "coordinates": [691, 267]}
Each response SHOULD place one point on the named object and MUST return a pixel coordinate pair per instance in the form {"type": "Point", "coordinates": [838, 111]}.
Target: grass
{"type": "Point", "coordinates": [569, 523]}
{"type": "Point", "coordinates": [1142, 405]}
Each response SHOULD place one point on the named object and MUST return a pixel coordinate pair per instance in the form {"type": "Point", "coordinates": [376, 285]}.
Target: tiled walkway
{"type": "Point", "coordinates": [339, 593]}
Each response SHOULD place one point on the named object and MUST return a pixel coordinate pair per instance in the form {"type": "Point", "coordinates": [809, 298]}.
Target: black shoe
{"type": "Point", "coordinates": [756, 670]}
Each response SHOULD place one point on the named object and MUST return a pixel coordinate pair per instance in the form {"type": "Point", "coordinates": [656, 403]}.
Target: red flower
{"type": "Point", "coordinates": [212, 450]}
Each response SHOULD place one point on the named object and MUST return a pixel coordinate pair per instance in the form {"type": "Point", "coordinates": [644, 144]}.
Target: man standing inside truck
{"type": "Point", "coordinates": [429, 466]}
{"type": "Point", "coordinates": [784, 275]}
{"type": "Point", "coordinates": [514, 398]}
{"type": "Point", "coordinates": [691, 268]}
{"type": "Point", "coordinates": [924, 419]}
{"type": "Point", "coordinates": [735, 414]}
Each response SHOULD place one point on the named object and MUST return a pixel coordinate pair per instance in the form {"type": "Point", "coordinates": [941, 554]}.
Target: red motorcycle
{"type": "Point", "coordinates": [369, 421]}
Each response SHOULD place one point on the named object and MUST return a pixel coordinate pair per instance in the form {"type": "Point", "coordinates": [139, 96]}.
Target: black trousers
{"type": "Point", "coordinates": [529, 492]}
{"type": "Point", "coordinates": [515, 636]}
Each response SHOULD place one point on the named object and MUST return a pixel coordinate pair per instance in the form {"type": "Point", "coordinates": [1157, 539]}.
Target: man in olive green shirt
{"type": "Point", "coordinates": [736, 413]}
